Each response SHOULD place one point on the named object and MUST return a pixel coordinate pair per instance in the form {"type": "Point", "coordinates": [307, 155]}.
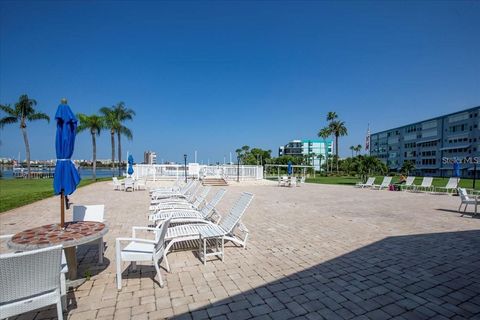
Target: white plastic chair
{"type": "Point", "coordinates": [129, 184]}
{"type": "Point", "coordinates": [466, 200]}
{"type": "Point", "coordinates": [30, 280]}
{"type": "Point", "coordinates": [408, 183]}
{"type": "Point", "coordinates": [426, 185]}
{"type": "Point", "coordinates": [91, 213]}
{"type": "Point", "coordinates": [141, 184]}
{"type": "Point", "coordinates": [292, 182]}
{"type": "Point", "coordinates": [117, 185]}
{"type": "Point", "coordinates": [141, 250]}
{"type": "Point", "coordinates": [368, 184]}
{"type": "Point", "coordinates": [384, 185]}
{"type": "Point", "coordinates": [451, 185]}
{"type": "Point", "coordinates": [223, 230]}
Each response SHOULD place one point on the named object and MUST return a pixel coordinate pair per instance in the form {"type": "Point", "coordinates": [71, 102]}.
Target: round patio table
{"type": "Point", "coordinates": [74, 234]}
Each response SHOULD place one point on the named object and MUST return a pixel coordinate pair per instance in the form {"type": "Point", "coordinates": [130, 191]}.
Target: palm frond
{"type": "Point", "coordinates": [126, 132]}
{"type": "Point", "coordinates": [8, 110]}
{"type": "Point", "coordinates": [38, 116]}
{"type": "Point", "coordinates": [7, 120]}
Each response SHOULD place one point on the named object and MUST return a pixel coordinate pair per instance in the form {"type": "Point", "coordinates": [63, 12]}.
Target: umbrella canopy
{"type": "Point", "coordinates": [66, 176]}
{"type": "Point", "coordinates": [289, 168]}
{"type": "Point", "coordinates": [456, 169]}
{"type": "Point", "coordinates": [130, 165]}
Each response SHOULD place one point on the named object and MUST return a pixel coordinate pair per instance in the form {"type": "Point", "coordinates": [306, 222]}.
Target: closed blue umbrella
{"type": "Point", "coordinates": [130, 165]}
{"type": "Point", "coordinates": [66, 176]}
{"type": "Point", "coordinates": [289, 168]}
{"type": "Point", "coordinates": [456, 169]}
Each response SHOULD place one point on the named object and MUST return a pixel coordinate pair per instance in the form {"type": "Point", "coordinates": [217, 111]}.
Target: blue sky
{"type": "Point", "coordinates": [213, 76]}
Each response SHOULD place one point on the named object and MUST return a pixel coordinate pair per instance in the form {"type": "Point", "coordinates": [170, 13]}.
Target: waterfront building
{"type": "Point", "coordinates": [433, 145]}
{"type": "Point", "coordinates": [149, 157]}
{"type": "Point", "coordinates": [308, 149]}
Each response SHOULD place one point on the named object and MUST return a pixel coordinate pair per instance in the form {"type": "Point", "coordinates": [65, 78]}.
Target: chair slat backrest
{"type": "Point", "coordinates": [463, 194]}
{"type": "Point", "coordinates": [427, 182]}
{"type": "Point", "coordinates": [29, 273]}
{"type": "Point", "coordinates": [207, 209]}
{"type": "Point", "coordinates": [203, 195]}
{"type": "Point", "coordinates": [188, 186]}
{"type": "Point", "coordinates": [229, 222]}
{"type": "Point", "coordinates": [409, 181]}
{"type": "Point", "coordinates": [160, 238]}
{"type": "Point", "coordinates": [452, 183]}
{"type": "Point", "coordinates": [370, 181]}
{"type": "Point", "coordinates": [193, 191]}
{"type": "Point", "coordinates": [88, 213]}
{"type": "Point", "coordinates": [386, 181]}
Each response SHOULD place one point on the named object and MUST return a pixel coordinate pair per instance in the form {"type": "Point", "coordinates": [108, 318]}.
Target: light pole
{"type": "Point", "coordinates": [185, 161]}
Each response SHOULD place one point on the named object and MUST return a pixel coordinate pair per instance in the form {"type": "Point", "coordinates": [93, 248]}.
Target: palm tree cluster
{"type": "Point", "coordinates": [356, 149]}
{"type": "Point", "coordinates": [335, 128]}
{"type": "Point", "coordinates": [112, 119]}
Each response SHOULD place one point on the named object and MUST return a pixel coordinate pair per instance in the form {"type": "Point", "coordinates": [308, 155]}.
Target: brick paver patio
{"type": "Point", "coordinates": [314, 252]}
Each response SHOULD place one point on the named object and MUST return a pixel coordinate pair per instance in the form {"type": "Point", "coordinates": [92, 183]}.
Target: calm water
{"type": "Point", "coordinates": [7, 172]}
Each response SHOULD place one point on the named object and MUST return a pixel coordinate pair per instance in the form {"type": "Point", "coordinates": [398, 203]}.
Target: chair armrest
{"type": "Point", "coordinates": [6, 237]}
{"type": "Point", "coordinates": [142, 228]}
{"type": "Point", "coordinates": [118, 240]}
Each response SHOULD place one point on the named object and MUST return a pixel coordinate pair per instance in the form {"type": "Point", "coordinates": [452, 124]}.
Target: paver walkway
{"type": "Point", "coordinates": [314, 252]}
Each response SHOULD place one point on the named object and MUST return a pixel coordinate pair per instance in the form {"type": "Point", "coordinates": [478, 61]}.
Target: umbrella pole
{"type": "Point", "coordinates": [62, 210]}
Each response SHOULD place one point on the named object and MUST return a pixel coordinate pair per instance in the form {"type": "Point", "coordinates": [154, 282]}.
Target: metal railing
{"type": "Point", "coordinates": [175, 171]}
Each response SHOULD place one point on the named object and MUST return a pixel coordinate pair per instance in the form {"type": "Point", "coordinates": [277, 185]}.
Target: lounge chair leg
{"type": "Point", "coordinates": [223, 249]}
{"type": "Point", "coordinates": [160, 280]}
{"type": "Point", "coordinates": [167, 266]}
{"type": "Point", "coordinates": [460, 207]}
{"type": "Point", "coordinates": [204, 251]}
{"type": "Point", "coordinates": [59, 310]}
{"type": "Point", "coordinates": [465, 209]}
{"type": "Point", "coordinates": [119, 272]}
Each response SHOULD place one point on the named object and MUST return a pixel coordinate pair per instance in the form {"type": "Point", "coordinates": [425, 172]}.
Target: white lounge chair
{"type": "Point", "coordinates": [91, 213]}
{"type": "Point", "coordinates": [292, 182]}
{"type": "Point", "coordinates": [141, 250]}
{"type": "Point", "coordinates": [408, 183]}
{"type": "Point", "coordinates": [175, 188]}
{"type": "Point", "coordinates": [182, 203]}
{"type": "Point", "coordinates": [182, 193]}
{"type": "Point", "coordinates": [282, 181]}
{"type": "Point", "coordinates": [384, 185]}
{"type": "Point", "coordinates": [190, 215]}
{"type": "Point", "coordinates": [426, 185]}
{"type": "Point", "coordinates": [224, 230]}
{"type": "Point", "coordinates": [30, 280]}
{"type": "Point", "coordinates": [451, 185]}
{"type": "Point", "coordinates": [141, 184]}
{"type": "Point", "coordinates": [189, 196]}
{"type": "Point", "coordinates": [466, 200]}
{"type": "Point", "coordinates": [368, 184]}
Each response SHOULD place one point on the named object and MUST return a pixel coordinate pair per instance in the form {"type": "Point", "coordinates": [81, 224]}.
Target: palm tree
{"type": "Point", "coordinates": [408, 165]}
{"type": "Point", "coordinates": [95, 124]}
{"type": "Point", "coordinates": [110, 122]}
{"type": "Point", "coordinates": [331, 115]}
{"type": "Point", "coordinates": [24, 111]}
{"type": "Point", "coordinates": [324, 134]}
{"type": "Point", "coordinates": [338, 129]}
{"type": "Point", "coordinates": [352, 148]}
{"type": "Point", "coordinates": [320, 157]}
{"type": "Point", "coordinates": [122, 113]}
{"type": "Point", "coordinates": [358, 148]}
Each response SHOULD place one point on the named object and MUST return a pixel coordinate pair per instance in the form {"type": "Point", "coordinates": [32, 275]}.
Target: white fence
{"type": "Point", "coordinates": [193, 170]}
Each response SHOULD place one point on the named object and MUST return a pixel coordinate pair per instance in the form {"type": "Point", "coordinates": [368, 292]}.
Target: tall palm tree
{"type": "Point", "coordinates": [331, 115]}
{"type": "Point", "coordinates": [320, 157]}
{"type": "Point", "coordinates": [110, 122]}
{"type": "Point", "coordinates": [24, 111]}
{"type": "Point", "coordinates": [94, 124]}
{"type": "Point", "coordinates": [353, 148]}
{"type": "Point", "coordinates": [324, 133]}
{"type": "Point", "coordinates": [122, 113]}
{"type": "Point", "coordinates": [358, 148]}
{"type": "Point", "coordinates": [338, 129]}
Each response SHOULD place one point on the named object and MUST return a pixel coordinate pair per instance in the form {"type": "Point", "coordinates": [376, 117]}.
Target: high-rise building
{"type": "Point", "coordinates": [433, 145]}
{"type": "Point", "coordinates": [149, 157]}
{"type": "Point", "coordinates": [310, 149]}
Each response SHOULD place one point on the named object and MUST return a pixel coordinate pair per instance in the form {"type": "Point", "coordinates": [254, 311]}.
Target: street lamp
{"type": "Point", "coordinates": [185, 161]}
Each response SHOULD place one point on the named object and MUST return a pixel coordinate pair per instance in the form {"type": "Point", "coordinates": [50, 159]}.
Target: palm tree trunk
{"type": "Point", "coordinates": [112, 138]}
{"type": "Point", "coordinates": [27, 149]}
{"type": "Point", "coordinates": [336, 149]}
{"type": "Point", "coordinates": [94, 145]}
{"type": "Point", "coordinates": [119, 155]}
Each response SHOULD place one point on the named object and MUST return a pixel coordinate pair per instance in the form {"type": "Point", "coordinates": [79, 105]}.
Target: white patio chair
{"type": "Point", "coordinates": [466, 200]}
{"type": "Point", "coordinates": [190, 215]}
{"type": "Point", "coordinates": [117, 185]}
{"type": "Point", "coordinates": [182, 203]}
{"type": "Point", "coordinates": [384, 185]}
{"type": "Point", "coordinates": [368, 184]}
{"type": "Point", "coordinates": [282, 181]}
{"type": "Point", "coordinates": [139, 250]}
{"type": "Point", "coordinates": [91, 213]}
{"type": "Point", "coordinates": [141, 184]}
{"type": "Point", "coordinates": [31, 280]}
{"type": "Point", "coordinates": [129, 183]}
{"type": "Point", "coordinates": [292, 182]}
{"type": "Point", "coordinates": [224, 230]}
{"type": "Point", "coordinates": [426, 185]}
{"type": "Point", "coordinates": [452, 184]}
{"type": "Point", "coordinates": [408, 183]}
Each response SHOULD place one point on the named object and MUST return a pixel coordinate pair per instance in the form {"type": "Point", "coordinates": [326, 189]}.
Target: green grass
{"type": "Point", "coordinates": [15, 193]}
{"type": "Point", "coordinates": [437, 182]}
